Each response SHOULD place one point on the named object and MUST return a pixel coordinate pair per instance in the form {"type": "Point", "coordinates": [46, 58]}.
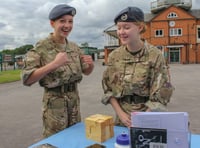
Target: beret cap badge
{"type": "Point", "coordinates": [73, 12]}
{"type": "Point", "coordinates": [124, 17]}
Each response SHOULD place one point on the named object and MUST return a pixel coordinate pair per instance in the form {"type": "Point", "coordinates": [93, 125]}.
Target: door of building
{"type": "Point", "coordinates": [174, 55]}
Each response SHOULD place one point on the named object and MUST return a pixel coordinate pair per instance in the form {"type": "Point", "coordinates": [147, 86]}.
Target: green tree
{"type": "Point", "coordinates": [22, 49]}
{"type": "Point", "coordinates": [86, 44]}
{"type": "Point", "coordinates": [17, 51]}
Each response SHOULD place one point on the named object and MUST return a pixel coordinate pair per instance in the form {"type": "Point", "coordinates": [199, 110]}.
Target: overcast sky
{"type": "Point", "coordinates": [26, 21]}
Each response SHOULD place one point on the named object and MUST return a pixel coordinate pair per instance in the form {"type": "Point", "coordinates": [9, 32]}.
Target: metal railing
{"type": "Point", "coordinates": [160, 4]}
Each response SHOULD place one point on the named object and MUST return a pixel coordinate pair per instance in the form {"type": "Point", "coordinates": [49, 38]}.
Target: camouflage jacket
{"type": "Point", "coordinates": [43, 53]}
{"type": "Point", "coordinates": [144, 74]}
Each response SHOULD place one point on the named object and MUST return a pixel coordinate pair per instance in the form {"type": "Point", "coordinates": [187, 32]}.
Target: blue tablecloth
{"type": "Point", "coordinates": [74, 137]}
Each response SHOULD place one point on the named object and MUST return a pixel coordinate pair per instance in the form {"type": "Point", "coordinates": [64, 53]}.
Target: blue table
{"type": "Point", "coordinates": [74, 137]}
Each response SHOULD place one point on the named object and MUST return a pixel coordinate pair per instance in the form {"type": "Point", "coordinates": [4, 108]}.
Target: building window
{"type": "Point", "coordinates": [175, 32]}
{"type": "Point", "coordinates": [172, 15]}
{"type": "Point", "coordinates": [159, 33]}
{"type": "Point", "coordinates": [198, 33]}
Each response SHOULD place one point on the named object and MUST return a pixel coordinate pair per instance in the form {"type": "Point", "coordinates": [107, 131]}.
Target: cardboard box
{"type": "Point", "coordinates": [99, 127]}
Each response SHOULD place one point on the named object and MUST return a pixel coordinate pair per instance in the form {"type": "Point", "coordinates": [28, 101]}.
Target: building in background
{"type": "Point", "coordinates": [111, 41]}
{"type": "Point", "coordinates": [171, 26]}
{"type": "Point", "coordinates": [92, 51]}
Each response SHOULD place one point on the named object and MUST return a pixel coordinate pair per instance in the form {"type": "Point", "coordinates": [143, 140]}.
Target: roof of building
{"type": "Point", "coordinates": [111, 31]}
{"type": "Point", "coordinates": [149, 16]}
{"type": "Point", "coordinates": [195, 13]}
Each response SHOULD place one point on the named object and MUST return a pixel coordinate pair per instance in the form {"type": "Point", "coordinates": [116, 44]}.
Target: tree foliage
{"type": "Point", "coordinates": [18, 51]}
{"type": "Point", "coordinates": [85, 44]}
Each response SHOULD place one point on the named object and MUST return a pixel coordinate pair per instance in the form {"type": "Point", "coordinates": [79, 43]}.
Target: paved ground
{"type": "Point", "coordinates": [20, 106]}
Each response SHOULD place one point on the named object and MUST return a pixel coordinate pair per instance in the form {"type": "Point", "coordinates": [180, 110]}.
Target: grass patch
{"type": "Point", "coordinates": [10, 76]}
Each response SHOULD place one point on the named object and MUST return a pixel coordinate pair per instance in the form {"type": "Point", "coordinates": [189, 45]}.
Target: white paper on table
{"type": "Point", "coordinates": [176, 124]}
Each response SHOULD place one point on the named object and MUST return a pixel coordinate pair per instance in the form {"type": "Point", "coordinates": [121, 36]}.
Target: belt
{"type": "Point", "coordinates": [70, 87]}
{"type": "Point", "coordinates": [135, 99]}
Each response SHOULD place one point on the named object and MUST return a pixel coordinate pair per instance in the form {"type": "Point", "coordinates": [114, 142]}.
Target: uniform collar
{"type": "Point", "coordinates": [51, 38]}
{"type": "Point", "coordinates": [139, 55]}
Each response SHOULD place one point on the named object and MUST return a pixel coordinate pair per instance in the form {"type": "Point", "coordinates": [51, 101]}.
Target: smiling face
{"type": "Point", "coordinates": [62, 26]}
{"type": "Point", "coordinates": [128, 32]}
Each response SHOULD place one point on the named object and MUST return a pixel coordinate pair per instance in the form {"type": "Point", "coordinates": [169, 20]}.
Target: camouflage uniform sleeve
{"type": "Point", "coordinates": [106, 88]}
{"type": "Point", "coordinates": [106, 83]}
{"type": "Point", "coordinates": [160, 86]}
{"type": "Point", "coordinates": [31, 63]}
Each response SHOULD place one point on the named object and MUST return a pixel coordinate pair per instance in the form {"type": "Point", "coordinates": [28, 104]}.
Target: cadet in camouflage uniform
{"type": "Point", "coordinates": [58, 65]}
{"type": "Point", "coordinates": [136, 77]}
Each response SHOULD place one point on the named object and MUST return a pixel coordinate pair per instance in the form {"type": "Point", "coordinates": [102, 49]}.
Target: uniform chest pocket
{"type": "Point", "coordinates": [137, 74]}
{"type": "Point", "coordinates": [75, 65]}
{"type": "Point", "coordinates": [141, 72]}
{"type": "Point", "coordinates": [74, 56]}
{"type": "Point", "coordinates": [136, 78]}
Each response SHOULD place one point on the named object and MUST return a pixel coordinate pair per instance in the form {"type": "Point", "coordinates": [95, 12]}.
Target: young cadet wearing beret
{"type": "Point", "coordinates": [136, 77]}
{"type": "Point", "coordinates": [58, 65]}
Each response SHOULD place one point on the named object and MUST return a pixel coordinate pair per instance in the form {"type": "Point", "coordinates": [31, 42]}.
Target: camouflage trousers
{"type": "Point", "coordinates": [60, 110]}
{"type": "Point", "coordinates": [128, 108]}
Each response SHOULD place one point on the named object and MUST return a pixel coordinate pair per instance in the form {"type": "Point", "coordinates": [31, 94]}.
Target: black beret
{"type": "Point", "coordinates": [60, 10]}
{"type": "Point", "coordinates": [130, 14]}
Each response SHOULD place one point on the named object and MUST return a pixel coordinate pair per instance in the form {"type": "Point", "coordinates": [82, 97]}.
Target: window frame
{"type": "Point", "coordinates": [172, 15]}
{"type": "Point", "coordinates": [175, 32]}
{"type": "Point", "coordinates": [160, 32]}
{"type": "Point", "coordinates": [198, 33]}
